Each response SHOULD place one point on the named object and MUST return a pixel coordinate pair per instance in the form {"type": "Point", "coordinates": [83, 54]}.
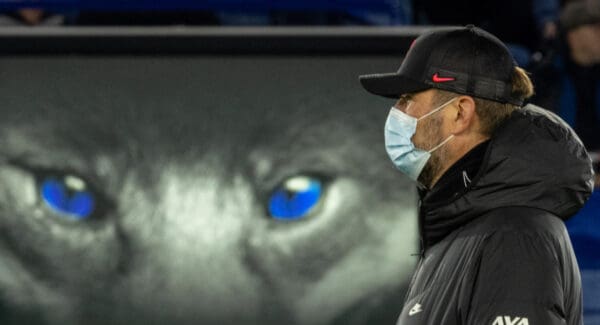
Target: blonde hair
{"type": "Point", "coordinates": [521, 84]}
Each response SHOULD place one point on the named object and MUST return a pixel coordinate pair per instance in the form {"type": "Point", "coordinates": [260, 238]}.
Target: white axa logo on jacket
{"type": "Point", "coordinates": [507, 320]}
{"type": "Point", "coordinates": [415, 310]}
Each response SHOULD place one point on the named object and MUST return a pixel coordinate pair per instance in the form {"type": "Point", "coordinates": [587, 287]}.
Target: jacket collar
{"type": "Point", "coordinates": [452, 184]}
{"type": "Point", "coordinates": [534, 159]}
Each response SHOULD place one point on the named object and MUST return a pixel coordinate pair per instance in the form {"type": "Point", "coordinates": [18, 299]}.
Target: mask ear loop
{"type": "Point", "coordinates": [432, 112]}
{"type": "Point", "coordinates": [437, 109]}
{"type": "Point", "coordinates": [441, 144]}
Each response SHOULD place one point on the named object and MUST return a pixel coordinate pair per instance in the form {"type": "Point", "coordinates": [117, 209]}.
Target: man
{"type": "Point", "coordinates": [579, 69]}
{"type": "Point", "coordinates": [495, 181]}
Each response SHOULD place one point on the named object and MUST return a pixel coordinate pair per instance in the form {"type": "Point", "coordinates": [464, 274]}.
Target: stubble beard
{"type": "Point", "coordinates": [434, 165]}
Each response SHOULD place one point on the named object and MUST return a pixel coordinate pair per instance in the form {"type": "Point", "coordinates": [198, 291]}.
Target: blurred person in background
{"type": "Point", "coordinates": [33, 17]}
{"type": "Point", "coordinates": [579, 99]}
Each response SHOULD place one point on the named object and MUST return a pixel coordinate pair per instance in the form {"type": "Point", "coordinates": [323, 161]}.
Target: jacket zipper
{"type": "Point", "coordinates": [421, 255]}
{"type": "Point", "coordinates": [421, 230]}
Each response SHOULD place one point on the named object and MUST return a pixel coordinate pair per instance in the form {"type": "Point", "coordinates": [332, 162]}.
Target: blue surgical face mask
{"type": "Point", "coordinates": [399, 129]}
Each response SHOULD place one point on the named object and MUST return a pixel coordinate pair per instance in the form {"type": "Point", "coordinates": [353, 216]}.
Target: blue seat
{"type": "Point", "coordinates": [590, 279]}
{"type": "Point", "coordinates": [584, 229]}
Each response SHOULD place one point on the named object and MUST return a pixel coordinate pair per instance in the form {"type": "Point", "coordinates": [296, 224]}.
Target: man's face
{"type": "Point", "coordinates": [584, 43]}
{"type": "Point", "coordinates": [429, 132]}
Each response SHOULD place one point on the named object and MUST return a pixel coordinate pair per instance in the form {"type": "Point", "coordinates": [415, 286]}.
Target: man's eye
{"type": "Point", "coordinates": [68, 196]}
{"type": "Point", "coordinates": [404, 99]}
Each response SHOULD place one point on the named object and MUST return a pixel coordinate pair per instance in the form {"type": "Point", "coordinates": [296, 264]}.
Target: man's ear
{"type": "Point", "coordinates": [464, 116]}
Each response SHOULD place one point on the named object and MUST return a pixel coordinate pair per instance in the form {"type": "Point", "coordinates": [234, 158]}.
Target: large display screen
{"type": "Point", "coordinates": [208, 189]}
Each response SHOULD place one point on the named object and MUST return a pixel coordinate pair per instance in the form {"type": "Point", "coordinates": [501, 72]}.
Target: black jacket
{"type": "Point", "coordinates": [495, 250]}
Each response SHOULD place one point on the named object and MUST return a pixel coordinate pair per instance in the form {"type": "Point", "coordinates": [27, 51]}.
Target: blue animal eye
{"type": "Point", "coordinates": [295, 198]}
{"type": "Point", "coordinates": [68, 196]}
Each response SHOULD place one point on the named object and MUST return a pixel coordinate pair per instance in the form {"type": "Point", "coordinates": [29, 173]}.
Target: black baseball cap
{"type": "Point", "coordinates": [465, 60]}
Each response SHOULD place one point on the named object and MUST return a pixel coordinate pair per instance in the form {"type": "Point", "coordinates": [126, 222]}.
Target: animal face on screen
{"type": "Point", "coordinates": [204, 190]}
